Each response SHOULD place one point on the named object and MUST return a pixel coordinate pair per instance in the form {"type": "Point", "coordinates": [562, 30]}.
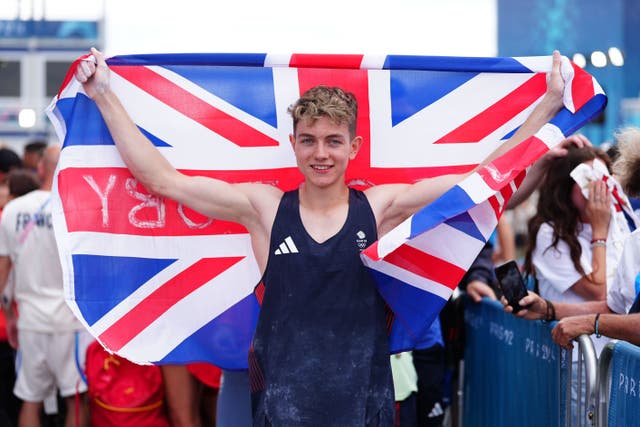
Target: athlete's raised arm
{"type": "Point", "coordinates": [244, 203]}
{"type": "Point", "coordinates": [394, 203]}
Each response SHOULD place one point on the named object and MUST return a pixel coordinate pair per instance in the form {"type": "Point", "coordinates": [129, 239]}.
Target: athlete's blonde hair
{"type": "Point", "coordinates": [334, 103]}
{"type": "Point", "coordinates": [627, 165]}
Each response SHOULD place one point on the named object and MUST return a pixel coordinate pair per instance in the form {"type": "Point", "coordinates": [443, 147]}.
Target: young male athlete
{"type": "Point", "coordinates": [320, 350]}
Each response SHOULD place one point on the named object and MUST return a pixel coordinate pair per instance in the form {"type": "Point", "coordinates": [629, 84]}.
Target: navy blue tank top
{"type": "Point", "coordinates": [320, 354]}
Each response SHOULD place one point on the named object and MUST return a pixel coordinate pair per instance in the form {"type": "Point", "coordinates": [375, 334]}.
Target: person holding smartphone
{"type": "Point", "coordinates": [602, 317]}
{"type": "Point", "coordinates": [574, 244]}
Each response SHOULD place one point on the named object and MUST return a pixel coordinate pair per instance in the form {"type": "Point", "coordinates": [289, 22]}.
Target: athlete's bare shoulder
{"type": "Point", "coordinates": [264, 200]}
{"type": "Point", "coordinates": [381, 198]}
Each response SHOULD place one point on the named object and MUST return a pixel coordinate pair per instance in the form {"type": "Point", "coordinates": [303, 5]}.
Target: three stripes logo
{"type": "Point", "coordinates": [287, 247]}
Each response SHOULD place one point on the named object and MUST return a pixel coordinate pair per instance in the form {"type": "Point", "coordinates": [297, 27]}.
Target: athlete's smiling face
{"type": "Point", "coordinates": [323, 149]}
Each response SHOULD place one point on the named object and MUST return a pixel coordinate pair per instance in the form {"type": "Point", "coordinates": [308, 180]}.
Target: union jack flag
{"type": "Point", "coordinates": [158, 283]}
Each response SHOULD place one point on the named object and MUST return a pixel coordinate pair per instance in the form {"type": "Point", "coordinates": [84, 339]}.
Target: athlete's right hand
{"type": "Point", "coordinates": [93, 73]}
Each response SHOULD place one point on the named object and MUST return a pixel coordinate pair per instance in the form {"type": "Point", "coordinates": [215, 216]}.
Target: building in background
{"type": "Point", "coordinates": [40, 38]}
{"type": "Point", "coordinates": [37, 46]}
{"type": "Point", "coordinates": [601, 36]}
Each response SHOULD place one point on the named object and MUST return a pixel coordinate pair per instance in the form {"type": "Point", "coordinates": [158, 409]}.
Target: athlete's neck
{"type": "Point", "coordinates": [323, 199]}
{"type": "Point", "coordinates": [324, 211]}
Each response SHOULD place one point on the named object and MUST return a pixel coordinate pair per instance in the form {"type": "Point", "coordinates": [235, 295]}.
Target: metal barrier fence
{"type": "Point", "coordinates": [619, 385]}
{"type": "Point", "coordinates": [514, 374]}
{"type": "Point", "coordinates": [587, 383]}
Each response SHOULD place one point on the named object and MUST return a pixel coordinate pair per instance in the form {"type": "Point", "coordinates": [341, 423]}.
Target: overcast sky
{"type": "Point", "coordinates": [421, 27]}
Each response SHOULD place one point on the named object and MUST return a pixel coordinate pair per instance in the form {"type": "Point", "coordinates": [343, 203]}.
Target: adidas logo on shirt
{"type": "Point", "coordinates": [287, 247]}
{"type": "Point", "coordinates": [436, 411]}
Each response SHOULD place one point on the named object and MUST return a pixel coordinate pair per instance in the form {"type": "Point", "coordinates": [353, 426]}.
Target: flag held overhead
{"type": "Point", "coordinates": [159, 283]}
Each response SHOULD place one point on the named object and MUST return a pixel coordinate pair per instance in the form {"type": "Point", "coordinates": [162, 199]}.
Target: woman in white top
{"type": "Point", "coordinates": [574, 246]}
{"type": "Point", "coordinates": [582, 318]}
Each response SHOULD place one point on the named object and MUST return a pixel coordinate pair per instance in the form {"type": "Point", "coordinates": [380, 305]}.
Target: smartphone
{"type": "Point", "coordinates": [511, 283]}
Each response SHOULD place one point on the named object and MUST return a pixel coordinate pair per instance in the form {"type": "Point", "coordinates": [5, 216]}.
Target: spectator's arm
{"type": "Point", "coordinates": [539, 169]}
{"type": "Point", "coordinates": [617, 326]}
{"type": "Point", "coordinates": [538, 307]}
{"type": "Point", "coordinates": [620, 326]}
{"type": "Point", "coordinates": [506, 242]}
